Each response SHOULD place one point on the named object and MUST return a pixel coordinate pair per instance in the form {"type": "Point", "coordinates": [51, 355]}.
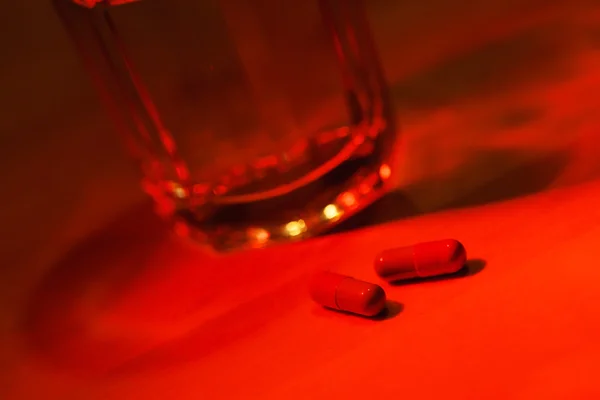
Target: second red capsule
{"type": "Point", "coordinates": [421, 260]}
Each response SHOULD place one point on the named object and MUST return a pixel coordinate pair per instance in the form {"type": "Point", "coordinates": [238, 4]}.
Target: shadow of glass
{"type": "Point", "coordinates": [64, 321]}
{"type": "Point", "coordinates": [531, 57]}
{"type": "Point", "coordinates": [529, 178]}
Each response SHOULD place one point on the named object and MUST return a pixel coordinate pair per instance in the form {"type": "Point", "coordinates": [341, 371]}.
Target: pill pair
{"type": "Point", "coordinates": [421, 260]}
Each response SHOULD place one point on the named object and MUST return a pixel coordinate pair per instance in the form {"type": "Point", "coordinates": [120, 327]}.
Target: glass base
{"type": "Point", "coordinates": [294, 195]}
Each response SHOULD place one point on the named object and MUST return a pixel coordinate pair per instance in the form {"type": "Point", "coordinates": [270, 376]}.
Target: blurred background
{"type": "Point", "coordinates": [496, 99]}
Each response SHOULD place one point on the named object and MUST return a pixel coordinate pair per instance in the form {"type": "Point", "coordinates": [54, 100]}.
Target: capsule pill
{"type": "Point", "coordinates": [344, 293]}
{"type": "Point", "coordinates": [421, 260]}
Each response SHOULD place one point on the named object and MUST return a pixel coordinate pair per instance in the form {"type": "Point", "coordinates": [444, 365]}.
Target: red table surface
{"type": "Point", "coordinates": [154, 318]}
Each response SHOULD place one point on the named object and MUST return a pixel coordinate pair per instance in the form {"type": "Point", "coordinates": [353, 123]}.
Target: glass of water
{"type": "Point", "coordinates": [253, 121]}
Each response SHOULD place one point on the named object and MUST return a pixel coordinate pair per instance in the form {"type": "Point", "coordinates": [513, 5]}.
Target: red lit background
{"type": "Point", "coordinates": [500, 112]}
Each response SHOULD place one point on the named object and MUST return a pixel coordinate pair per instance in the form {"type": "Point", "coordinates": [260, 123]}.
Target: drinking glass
{"type": "Point", "coordinates": [253, 121]}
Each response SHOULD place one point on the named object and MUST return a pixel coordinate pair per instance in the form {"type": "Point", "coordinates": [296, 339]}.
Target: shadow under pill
{"type": "Point", "coordinates": [392, 308]}
{"type": "Point", "coordinates": [472, 267]}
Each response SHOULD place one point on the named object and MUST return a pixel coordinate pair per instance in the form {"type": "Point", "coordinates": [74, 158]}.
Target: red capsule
{"type": "Point", "coordinates": [345, 293]}
{"type": "Point", "coordinates": [421, 260]}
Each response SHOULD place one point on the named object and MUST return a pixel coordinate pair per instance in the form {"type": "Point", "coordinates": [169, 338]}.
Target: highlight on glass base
{"type": "Point", "coordinates": [281, 198]}
{"type": "Point", "coordinates": [253, 122]}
